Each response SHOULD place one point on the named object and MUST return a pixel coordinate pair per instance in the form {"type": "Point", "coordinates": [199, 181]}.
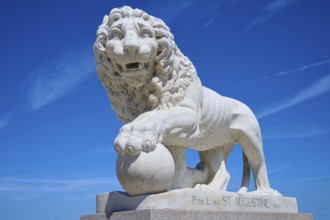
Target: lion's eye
{"type": "Point", "coordinates": [146, 33]}
{"type": "Point", "coordinates": [115, 34]}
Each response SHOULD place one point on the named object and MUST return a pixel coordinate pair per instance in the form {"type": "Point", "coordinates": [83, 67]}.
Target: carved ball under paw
{"type": "Point", "coordinates": [145, 173]}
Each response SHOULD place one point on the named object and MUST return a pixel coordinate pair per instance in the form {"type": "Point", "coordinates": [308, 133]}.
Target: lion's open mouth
{"type": "Point", "coordinates": [132, 67]}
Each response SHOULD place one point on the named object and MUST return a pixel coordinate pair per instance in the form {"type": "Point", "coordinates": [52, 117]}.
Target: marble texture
{"type": "Point", "coordinates": [155, 91]}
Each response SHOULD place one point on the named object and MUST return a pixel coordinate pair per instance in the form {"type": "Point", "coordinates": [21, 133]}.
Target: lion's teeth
{"type": "Point", "coordinates": [131, 67]}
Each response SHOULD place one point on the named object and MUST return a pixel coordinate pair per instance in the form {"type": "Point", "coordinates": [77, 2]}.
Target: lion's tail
{"type": "Point", "coordinates": [246, 174]}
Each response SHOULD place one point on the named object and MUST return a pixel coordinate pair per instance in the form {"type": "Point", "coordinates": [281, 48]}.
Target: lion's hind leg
{"type": "Point", "coordinates": [251, 143]}
{"type": "Point", "coordinates": [246, 175]}
{"type": "Point", "coordinates": [215, 160]}
{"type": "Point", "coordinates": [247, 132]}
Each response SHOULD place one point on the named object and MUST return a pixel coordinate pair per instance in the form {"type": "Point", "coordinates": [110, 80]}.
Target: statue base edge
{"type": "Point", "coordinates": [196, 199]}
{"type": "Point", "coordinates": [164, 214]}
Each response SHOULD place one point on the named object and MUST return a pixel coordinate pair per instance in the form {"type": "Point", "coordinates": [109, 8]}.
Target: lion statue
{"type": "Point", "coordinates": [156, 93]}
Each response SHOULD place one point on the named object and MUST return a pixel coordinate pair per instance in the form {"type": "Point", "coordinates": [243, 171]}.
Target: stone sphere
{"type": "Point", "coordinates": [146, 173]}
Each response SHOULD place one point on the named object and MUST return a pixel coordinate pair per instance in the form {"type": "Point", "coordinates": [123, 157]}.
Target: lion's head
{"type": "Point", "coordinates": [139, 63]}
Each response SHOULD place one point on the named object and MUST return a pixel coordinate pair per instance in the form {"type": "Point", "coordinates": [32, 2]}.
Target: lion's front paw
{"type": "Point", "coordinates": [132, 140]}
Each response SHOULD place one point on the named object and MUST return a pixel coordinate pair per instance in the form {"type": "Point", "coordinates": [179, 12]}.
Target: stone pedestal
{"type": "Point", "coordinates": [196, 204]}
{"type": "Point", "coordinates": [196, 199]}
{"type": "Point", "coordinates": [165, 214]}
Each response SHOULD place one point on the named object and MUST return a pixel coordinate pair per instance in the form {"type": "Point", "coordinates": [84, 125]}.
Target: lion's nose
{"type": "Point", "coordinates": [131, 43]}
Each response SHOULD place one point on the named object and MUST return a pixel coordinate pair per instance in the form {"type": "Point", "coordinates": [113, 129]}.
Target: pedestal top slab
{"type": "Point", "coordinates": [196, 199]}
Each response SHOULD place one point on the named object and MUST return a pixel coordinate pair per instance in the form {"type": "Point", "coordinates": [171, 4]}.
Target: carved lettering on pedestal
{"type": "Point", "coordinates": [229, 201]}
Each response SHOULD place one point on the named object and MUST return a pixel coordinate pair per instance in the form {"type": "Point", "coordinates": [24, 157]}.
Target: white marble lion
{"type": "Point", "coordinates": [155, 91]}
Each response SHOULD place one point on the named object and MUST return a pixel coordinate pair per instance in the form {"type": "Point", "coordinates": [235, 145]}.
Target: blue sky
{"type": "Point", "coordinates": [57, 128]}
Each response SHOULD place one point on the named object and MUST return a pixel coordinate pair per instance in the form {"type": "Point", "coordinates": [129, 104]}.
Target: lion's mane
{"type": "Point", "coordinates": [173, 71]}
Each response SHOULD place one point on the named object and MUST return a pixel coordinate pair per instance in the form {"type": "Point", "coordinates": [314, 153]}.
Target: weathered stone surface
{"type": "Point", "coordinates": [165, 214]}
{"type": "Point", "coordinates": [194, 199]}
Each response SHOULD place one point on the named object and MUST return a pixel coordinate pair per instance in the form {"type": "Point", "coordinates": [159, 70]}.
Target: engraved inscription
{"type": "Point", "coordinates": [251, 202]}
{"type": "Point", "coordinates": [229, 201]}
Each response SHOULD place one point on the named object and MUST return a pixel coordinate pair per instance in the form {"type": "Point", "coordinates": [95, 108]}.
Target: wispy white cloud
{"type": "Point", "coordinates": [211, 11]}
{"type": "Point", "coordinates": [209, 22]}
{"type": "Point", "coordinates": [307, 180]}
{"type": "Point", "coordinates": [284, 73]}
{"type": "Point", "coordinates": [270, 10]}
{"type": "Point", "coordinates": [279, 169]}
{"type": "Point", "coordinates": [5, 120]}
{"type": "Point", "coordinates": [318, 64]}
{"type": "Point", "coordinates": [318, 88]}
{"type": "Point", "coordinates": [54, 80]}
{"type": "Point", "coordinates": [9, 184]}
{"type": "Point", "coordinates": [170, 10]}
{"type": "Point", "coordinates": [299, 132]}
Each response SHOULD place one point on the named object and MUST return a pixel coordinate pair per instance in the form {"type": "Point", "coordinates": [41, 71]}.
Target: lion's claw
{"type": "Point", "coordinates": [149, 143]}
{"type": "Point", "coordinates": [119, 147]}
{"type": "Point", "coordinates": [132, 140]}
{"type": "Point", "coordinates": [133, 146]}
